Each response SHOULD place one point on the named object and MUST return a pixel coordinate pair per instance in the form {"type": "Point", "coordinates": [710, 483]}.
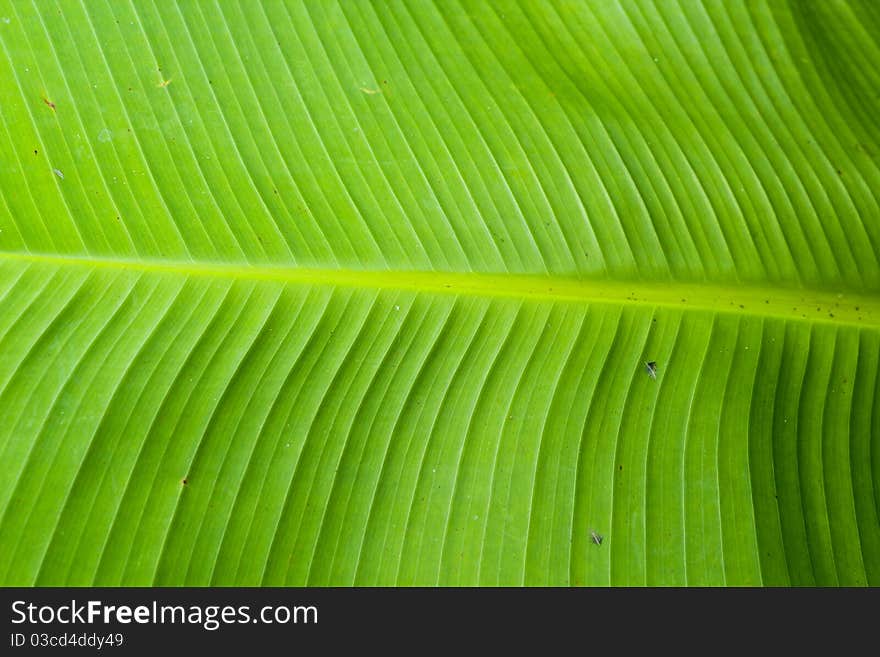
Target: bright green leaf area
{"type": "Point", "coordinates": [334, 293]}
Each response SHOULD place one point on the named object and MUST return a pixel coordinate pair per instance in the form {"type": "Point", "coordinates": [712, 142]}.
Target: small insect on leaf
{"type": "Point", "coordinates": [651, 366]}
{"type": "Point", "coordinates": [58, 173]}
{"type": "Point", "coordinates": [596, 538]}
{"type": "Point", "coordinates": [49, 103]}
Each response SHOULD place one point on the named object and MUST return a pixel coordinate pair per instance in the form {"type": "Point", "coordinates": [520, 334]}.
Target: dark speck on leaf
{"type": "Point", "coordinates": [651, 366]}
{"type": "Point", "coordinates": [184, 481]}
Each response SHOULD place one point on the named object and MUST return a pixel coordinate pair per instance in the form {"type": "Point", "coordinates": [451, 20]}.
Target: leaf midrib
{"type": "Point", "coordinates": [802, 304]}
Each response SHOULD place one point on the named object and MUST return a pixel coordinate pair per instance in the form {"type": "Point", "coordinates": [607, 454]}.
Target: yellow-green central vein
{"type": "Point", "coordinates": [843, 307]}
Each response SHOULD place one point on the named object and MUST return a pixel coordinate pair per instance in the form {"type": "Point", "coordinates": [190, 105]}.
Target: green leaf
{"type": "Point", "coordinates": [365, 293]}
